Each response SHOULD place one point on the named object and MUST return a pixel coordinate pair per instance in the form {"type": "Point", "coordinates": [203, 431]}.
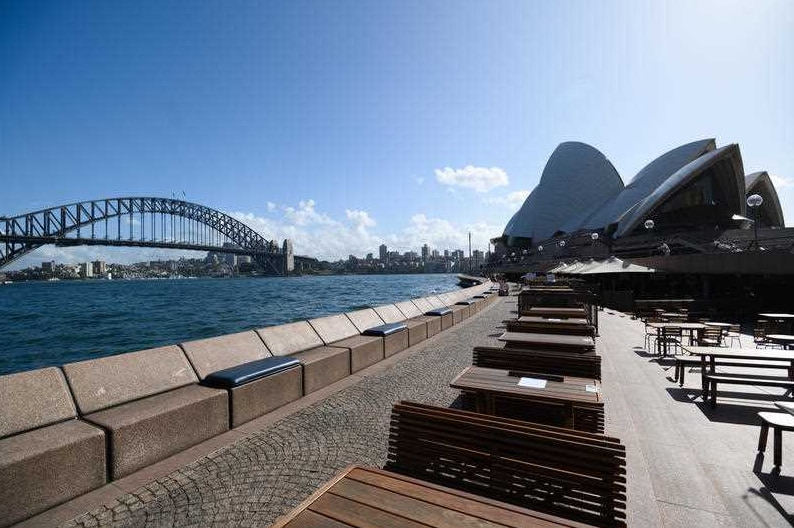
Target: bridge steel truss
{"type": "Point", "coordinates": [177, 223]}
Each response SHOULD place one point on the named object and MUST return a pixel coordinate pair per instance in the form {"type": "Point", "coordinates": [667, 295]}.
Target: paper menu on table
{"type": "Point", "coordinates": [591, 388]}
{"type": "Point", "coordinates": [533, 383]}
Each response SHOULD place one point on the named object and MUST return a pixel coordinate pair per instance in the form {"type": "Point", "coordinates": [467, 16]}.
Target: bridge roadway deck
{"type": "Point", "coordinates": [687, 465]}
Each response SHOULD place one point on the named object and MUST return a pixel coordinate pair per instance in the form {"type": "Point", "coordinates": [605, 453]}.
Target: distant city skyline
{"type": "Point", "coordinates": [341, 126]}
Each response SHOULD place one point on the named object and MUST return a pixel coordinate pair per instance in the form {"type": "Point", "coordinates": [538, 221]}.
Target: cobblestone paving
{"type": "Point", "coordinates": [255, 480]}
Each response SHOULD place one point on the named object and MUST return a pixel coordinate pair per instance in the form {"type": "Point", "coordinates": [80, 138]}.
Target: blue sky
{"type": "Point", "coordinates": [346, 124]}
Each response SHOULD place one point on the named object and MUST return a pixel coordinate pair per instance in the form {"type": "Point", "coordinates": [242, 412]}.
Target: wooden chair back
{"type": "Point", "coordinates": [573, 474]}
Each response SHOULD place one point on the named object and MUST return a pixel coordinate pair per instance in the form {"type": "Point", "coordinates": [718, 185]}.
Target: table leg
{"type": "Point", "coordinates": [703, 382]}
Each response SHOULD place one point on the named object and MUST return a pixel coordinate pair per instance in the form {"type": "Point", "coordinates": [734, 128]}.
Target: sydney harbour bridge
{"type": "Point", "coordinates": [140, 222]}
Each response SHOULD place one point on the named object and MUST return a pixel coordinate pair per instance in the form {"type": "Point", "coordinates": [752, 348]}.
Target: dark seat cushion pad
{"type": "Point", "coordinates": [248, 372]}
{"type": "Point", "coordinates": [385, 329]}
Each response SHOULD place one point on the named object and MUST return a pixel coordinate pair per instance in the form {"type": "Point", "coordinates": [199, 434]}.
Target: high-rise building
{"type": "Point", "coordinates": [99, 268]}
{"type": "Point", "coordinates": [383, 252]}
{"type": "Point", "coordinates": [425, 253]}
{"type": "Point", "coordinates": [86, 270]}
{"type": "Point", "coordinates": [289, 256]}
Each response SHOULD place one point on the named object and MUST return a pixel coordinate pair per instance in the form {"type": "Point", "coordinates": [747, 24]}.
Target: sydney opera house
{"type": "Point", "coordinates": [692, 211]}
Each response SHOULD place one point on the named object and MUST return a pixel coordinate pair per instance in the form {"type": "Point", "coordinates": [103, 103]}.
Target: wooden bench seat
{"type": "Point", "coordinates": [684, 362]}
{"type": "Point", "coordinates": [573, 474]}
{"type": "Point", "coordinates": [712, 380]}
{"type": "Point", "coordinates": [549, 362]}
{"type": "Point", "coordinates": [550, 328]}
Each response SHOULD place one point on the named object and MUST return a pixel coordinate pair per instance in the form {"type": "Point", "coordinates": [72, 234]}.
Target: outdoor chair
{"type": "Point", "coordinates": [650, 332]}
{"type": "Point", "coordinates": [667, 339]}
{"type": "Point", "coordinates": [734, 334]}
{"type": "Point", "coordinates": [759, 335]}
{"type": "Point", "coordinates": [710, 337]}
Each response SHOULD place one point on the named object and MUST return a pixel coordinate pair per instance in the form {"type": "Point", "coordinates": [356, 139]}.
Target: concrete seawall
{"type": "Point", "coordinates": [153, 405]}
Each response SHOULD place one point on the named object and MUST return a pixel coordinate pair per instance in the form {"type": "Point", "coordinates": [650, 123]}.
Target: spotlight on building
{"type": "Point", "coordinates": [649, 224]}
{"type": "Point", "coordinates": [754, 201]}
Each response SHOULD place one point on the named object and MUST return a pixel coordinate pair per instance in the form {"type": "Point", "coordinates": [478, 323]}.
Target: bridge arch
{"type": "Point", "coordinates": [207, 229]}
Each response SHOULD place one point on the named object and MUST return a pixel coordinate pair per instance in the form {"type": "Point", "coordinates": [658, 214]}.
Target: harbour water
{"type": "Point", "coordinates": [53, 323]}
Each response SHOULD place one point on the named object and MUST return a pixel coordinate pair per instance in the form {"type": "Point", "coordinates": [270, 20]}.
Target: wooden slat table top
{"type": "Point", "coordinates": [717, 324]}
{"type": "Point", "coordinates": [584, 342]}
{"type": "Point", "coordinates": [573, 321]}
{"type": "Point", "coordinates": [686, 326]}
{"type": "Point", "coordinates": [783, 338]}
{"type": "Point", "coordinates": [786, 406]}
{"type": "Point", "coordinates": [571, 389]}
{"type": "Point", "coordinates": [741, 353]}
{"type": "Point", "coordinates": [777, 315]}
{"type": "Point", "coordinates": [552, 311]}
{"type": "Point", "coordinates": [368, 497]}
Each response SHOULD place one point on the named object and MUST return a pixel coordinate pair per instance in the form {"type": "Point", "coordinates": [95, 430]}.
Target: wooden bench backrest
{"type": "Point", "coordinates": [390, 313]}
{"type": "Point", "coordinates": [556, 363]}
{"type": "Point", "coordinates": [222, 352]}
{"type": "Point", "coordinates": [105, 382]}
{"type": "Point", "coordinates": [283, 340]}
{"type": "Point", "coordinates": [575, 475]}
{"type": "Point", "coordinates": [34, 399]}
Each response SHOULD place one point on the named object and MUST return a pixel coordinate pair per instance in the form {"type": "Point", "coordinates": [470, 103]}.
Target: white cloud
{"type": "Point", "coordinates": [418, 179]}
{"type": "Point", "coordinates": [780, 181]}
{"type": "Point", "coordinates": [306, 215]}
{"type": "Point", "coordinates": [481, 179]}
{"type": "Point", "coordinates": [511, 201]}
{"type": "Point", "coordinates": [271, 207]}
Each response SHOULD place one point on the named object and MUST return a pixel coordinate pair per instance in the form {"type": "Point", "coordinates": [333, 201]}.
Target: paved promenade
{"type": "Point", "coordinates": [687, 465]}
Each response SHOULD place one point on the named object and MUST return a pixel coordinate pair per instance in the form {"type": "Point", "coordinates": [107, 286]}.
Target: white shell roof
{"type": "Point", "coordinates": [577, 178]}
{"type": "Point", "coordinates": [581, 190]}
{"type": "Point", "coordinates": [646, 182]}
{"type": "Point", "coordinates": [676, 181]}
{"type": "Point", "coordinates": [761, 183]}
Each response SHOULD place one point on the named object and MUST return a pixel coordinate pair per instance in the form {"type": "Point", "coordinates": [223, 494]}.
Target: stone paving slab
{"type": "Point", "coordinates": [687, 465]}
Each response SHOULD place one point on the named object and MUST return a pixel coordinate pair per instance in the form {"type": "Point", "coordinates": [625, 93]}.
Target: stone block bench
{"type": "Point", "coordinates": [415, 318]}
{"type": "Point", "coordinates": [47, 455]}
{"type": "Point", "coordinates": [258, 396]}
{"type": "Point", "coordinates": [414, 323]}
{"type": "Point", "coordinates": [460, 312]}
{"type": "Point", "coordinates": [148, 403]}
{"type": "Point", "coordinates": [369, 323]}
{"type": "Point", "coordinates": [339, 332]}
{"type": "Point", "coordinates": [433, 307]}
{"type": "Point", "coordinates": [322, 365]}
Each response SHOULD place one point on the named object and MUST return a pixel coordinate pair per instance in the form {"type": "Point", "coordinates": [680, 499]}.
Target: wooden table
{"type": "Point", "coordinates": [368, 497]}
{"type": "Point", "coordinates": [718, 325]}
{"type": "Point", "coordinates": [549, 311]}
{"type": "Point", "coordinates": [782, 339]}
{"type": "Point", "coordinates": [577, 402]}
{"type": "Point", "coordinates": [568, 343]}
{"type": "Point", "coordinates": [709, 355]}
{"type": "Point", "coordinates": [781, 319]}
{"type": "Point", "coordinates": [579, 321]}
{"type": "Point", "coordinates": [786, 406]}
{"type": "Point", "coordinates": [691, 328]}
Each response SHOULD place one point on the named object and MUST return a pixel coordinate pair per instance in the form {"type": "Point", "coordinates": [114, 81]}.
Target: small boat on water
{"type": "Point", "coordinates": [469, 280]}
